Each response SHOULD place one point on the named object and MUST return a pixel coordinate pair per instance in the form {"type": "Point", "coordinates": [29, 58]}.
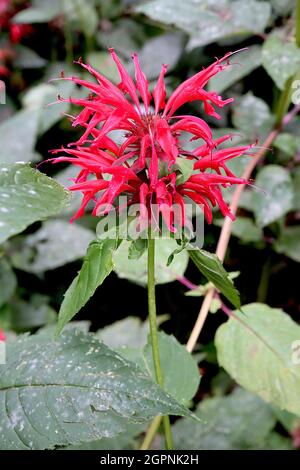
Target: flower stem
{"type": "Point", "coordinates": [153, 332]}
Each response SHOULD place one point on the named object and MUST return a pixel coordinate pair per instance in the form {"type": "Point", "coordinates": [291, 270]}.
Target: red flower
{"type": "Point", "coordinates": [19, 31]}
{"type": "Point", "coordinates": [2, 336]}
{"type": "Point", "coordinates": [143, 166]}
{"type": "Point", "coordinates": [16, 31]}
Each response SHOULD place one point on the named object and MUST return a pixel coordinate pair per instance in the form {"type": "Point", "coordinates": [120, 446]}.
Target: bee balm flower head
{"type": "Point", "coordinates": [144, 166]}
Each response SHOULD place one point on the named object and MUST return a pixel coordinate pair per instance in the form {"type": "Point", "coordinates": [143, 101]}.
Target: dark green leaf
{"type": "Point", "coordinates": [72, 390]}
{"type": "Point", "coordinates": [238, 421]}
{"type": "Point", "coordinates": [97, 265]}
{"type": "Point", "coordinates": [8, 281]}
{"type": "Point", "coordinates": [55, 244]}
{"type": "Point", "coordinates": [281, 59]}
{"type": "Point", "coordinates": [26, 195]}
{"type": "Point", "coordinates": [275, 195]}
{"type": "Point", "coordinates": [212, 268]}
{"type": "Point", "coordinates": [260, 350]}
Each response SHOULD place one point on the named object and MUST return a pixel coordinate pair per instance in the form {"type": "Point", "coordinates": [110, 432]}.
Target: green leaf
{"type": "Point", "coordinates": [103, 61]}
{"type": "Point", "coordinates": [287, 143]}
{"type": "Point", "coordinates": [238, 421]}
{"type": "Point", "coordinates": [39, 13]}
{"type": "Point", "coordinates": [97, 265]}
{"type": "Point", "coordinates": [281, 59]}
{"type": "Point", "coordinates": [8, 281]}
{"type": "Point", "coordinates": [131, 332]}
{"type": "Point", "coordinates": [81, 14]}
{"type": "Point", "coordinates": [212, 268]}
{"type": "Point", "coordinates": [27, 58]}
{"type": "Point", "coordinates": [72, 390]}
{"type": "Point", "coordinates": [136, 270]}
{"type": "Point", "coordinates": [41, 97]}
{"type": "Point", "coordinates": [124, 441]}
{"type": "Point", "coordinates": [243, 64]}
{"type": "Point", "coordinates": [18, 136]}
{"type": "Point", "coordinates": [296, 184]}
{"type": "Point", "coordinates": [259, 350]}
{"type": "Point", "coordinates": [55, 244]}
{"type": "Point", "coordinates": [209, 20]}
{"type": "Point", "coordinates": [275, 197]}
{"type": "Point", "coordinates": [32, 314]}
{"type": "Point", "coordinates": [186, 168]}
{"type": "Point", "coordinates": [26, 195]}
{"type": "Point", "coordinates": [283, 7]}
{"type": "Point", "coordinates": [289, 243]}
{"type": "Point", "coordinates": [179, 369]}
{"type": "Point", "coordinates": [125, 36]}
{"type": "Point", "coordinates": [244, 228]}
{"type": "Point", "coordinates": [137, 248]}
{"type": "Point", "coordinates": [163, 49]}
{"type": "Point", "coordinates": [252, 116]}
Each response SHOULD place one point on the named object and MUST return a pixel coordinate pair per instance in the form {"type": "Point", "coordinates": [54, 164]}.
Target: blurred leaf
{"type": "Point", "coordinates": [243, 64]}
{"type": "Point", "coordinates": [283, 7]}
{"type": "Point", "coordinates": [131, 332]}
{"type": "Point", "coordinates": [287, 143]}
{"type": "Point", "coordinates": [18, 136]}
{"type": "Point", "coordinates": [179, 369]}
{"type": "Point", "coordinates": [288, 420]}
{"type": "Point", "coordinates": [136, 270]}
{"type": "Point", "coordinates": [137, 248]}
{"type": "Point", "coordinates": [243, 228]}
{"type": "Point", "coordinates": [26, 195]}
{"type": "Point", "coordinates": [238, 421]}
{"type": "Point", "coordinates": [125, 37]}
{"type": "Point", "coordinates": [289, 243]}
{"type": "Point", "coordinates": [55, 244]}
{"type": "Point", "coordinates": [41, 12]}
{"type": "Point", "coordinates": [103, 62]}
{"type": "Point", "coordinates": [281, 59]}
{"type": "Point", "coordinates": [64, 177]}
{"type": "Point", "coordinates": [96, 266]}
{"type": "Point", "coordinates": [212, 268]}
{"type": "Point", "coordinates": [296, 184]}
{"type": "Point", "coordinates": [164, 49]}
{"type": "Point", "coordinates": [51, 400]}
{"type": "Point", "coordinates": [27, 58]}
{"type": "Point", "coordinates": [43, 97]}
{"type": "Point", "coordinates": [186, 168]}
{"type": "Point", "coordinates": [275, 197]}
{"type": "Point", "coordinates": [81, 15]}
{"type": "Point", "coordinates": [209, 20]}
{"type": "Point", "coordinates": [252, 116]}
{"type": "Point", "coordinates": [257, 348]}
{"type": "Point", "coordinates": [8, 281]}
{"type": "Point", "coordinates": [32, 314]}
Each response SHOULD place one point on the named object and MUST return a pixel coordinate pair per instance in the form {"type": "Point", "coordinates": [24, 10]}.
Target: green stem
{"type": "Point", "coordinates": [297, 19]}
{"type": "Point", "coordinates": [151, 432]}
{"type": "Point", "coordinates": [153, 332]}
{"type": "Point", "coordinates": [284, 101]}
